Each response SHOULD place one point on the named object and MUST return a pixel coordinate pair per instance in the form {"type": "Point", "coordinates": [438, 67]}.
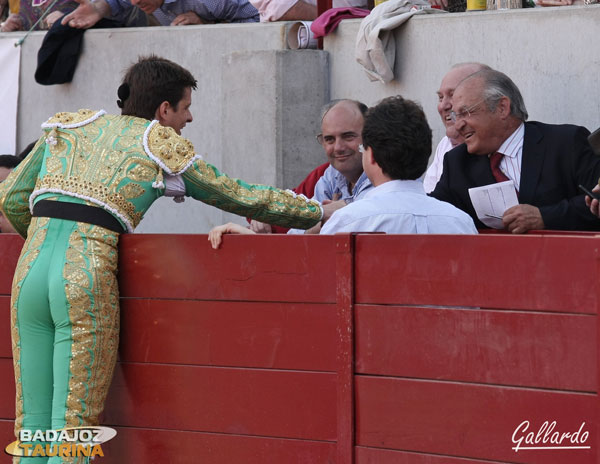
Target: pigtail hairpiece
{"type": "Point", "coordinates": [123, 94]}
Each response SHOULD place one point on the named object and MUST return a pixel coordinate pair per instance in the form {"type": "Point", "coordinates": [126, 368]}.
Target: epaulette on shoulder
{"type": "Point", "coordinates": [66, 120]}
{"type": "Point", "coordinates": [173, 153]}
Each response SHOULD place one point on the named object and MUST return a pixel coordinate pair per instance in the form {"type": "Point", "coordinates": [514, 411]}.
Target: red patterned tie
{"type": "Point", "coordinates": [495, 159]}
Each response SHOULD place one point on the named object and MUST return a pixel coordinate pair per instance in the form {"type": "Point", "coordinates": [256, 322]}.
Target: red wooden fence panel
{"type": "Point", "coordinates": [273, 268]}
{"type": "Point", "coordinates": [468, 420]}
{"type": "Point", "coordinates": [483, 346]}
{"type": "Point", "coordinates": [234, 334]}
{"type": "Point", "coordinates": [366, 455]}
{"type": "Point", "coordinates": [5, 345]}
{"type": "Point", "coordinates": [459, 340]}
{"type": "Point", "coordinates": [531, 272]}
{"type": "Point", "coordinates": [7, 389]}
{"type": "Point", "coordinates": [235, 347]}
{"type": "Point", "coordinates": [10, 248]}
{"type": "Point", "coordinates": [138, 445]}
{"type": "Point", "coordinates": [256, 402]}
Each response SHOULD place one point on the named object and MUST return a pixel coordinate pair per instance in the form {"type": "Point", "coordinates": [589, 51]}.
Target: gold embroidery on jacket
{"type": "Point", "coordinates": [88, 189]}
{"type": "Point", "coordinates": [267, 204]}
{"type": "Point", "coordinates": [54, 165]}
{"type": "Point", "coordinates": [142, 173]}
{"type": "Point", "coordinates": [92, 294]}
{"type": "Point", "coordinates": [132, 191]}
{"type": "Point", "coordinates": [173, 150]}
{"type": "Point", "coordinates": [68, 118]}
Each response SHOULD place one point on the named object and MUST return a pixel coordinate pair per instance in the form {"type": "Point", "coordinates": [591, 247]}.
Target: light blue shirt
{"type": "Point", "coordinates": [333, 181]}
{"type": "Point", "coordinates": [400, 207]}
{"type": "Point", "coordinates": [235, 11]}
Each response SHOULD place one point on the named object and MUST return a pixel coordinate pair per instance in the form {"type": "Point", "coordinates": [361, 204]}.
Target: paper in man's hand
{"type": "Point", "coordinates": [490, 202]}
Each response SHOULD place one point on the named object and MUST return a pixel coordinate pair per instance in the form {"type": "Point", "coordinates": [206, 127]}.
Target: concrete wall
{"type": "Point", "coordinates": [550, 53]}
{"type": "Point", "coordinates": [253, 114]}
{"type": "Point", "coordinates": [256, 108]}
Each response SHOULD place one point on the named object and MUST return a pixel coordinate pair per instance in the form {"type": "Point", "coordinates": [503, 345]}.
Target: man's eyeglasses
{"type": "Point", "coordinates": [465, 112]}
{"type": "Point", "coordinates": [330, 139]}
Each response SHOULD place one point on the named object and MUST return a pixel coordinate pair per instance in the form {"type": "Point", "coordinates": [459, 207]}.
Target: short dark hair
{"type": "Point", "coordinates": [9, 161]}
{"type": "Point", "coordinates": [26, 151]}
{"type": "Point", "coordinates": [151, 81]}
{"type": "Point", "coordinates": [396, 130]}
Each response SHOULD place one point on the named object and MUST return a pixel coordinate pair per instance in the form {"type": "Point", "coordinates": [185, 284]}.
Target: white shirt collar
{"type": "Point", "coordinates": [511, 146]}
{"type": "Point", "coordinates": [414, 186]}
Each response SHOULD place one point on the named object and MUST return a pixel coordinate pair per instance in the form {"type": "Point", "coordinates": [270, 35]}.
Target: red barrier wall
{"type": "Point", "coordinates": [341, 349]}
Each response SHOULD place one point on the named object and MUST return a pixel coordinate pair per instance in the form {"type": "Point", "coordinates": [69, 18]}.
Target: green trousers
{"type": "Point", "coordinates": [65, 327]}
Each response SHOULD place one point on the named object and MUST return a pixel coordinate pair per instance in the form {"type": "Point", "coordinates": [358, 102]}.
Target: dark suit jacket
{"type": "Point", "coordinates": [556, 159]}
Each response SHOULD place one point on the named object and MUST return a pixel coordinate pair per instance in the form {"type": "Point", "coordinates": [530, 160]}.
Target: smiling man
{"type": "Point", "coordinates": [341, 127]}
{"type": "Point", "coordinates": [341, 180]}
{"type": "Point", "coordinates": [341, 134]}
{"type": "Point", "coordinates": [457, 73]}
{"type": "Point", "coordinates": [546, 162]}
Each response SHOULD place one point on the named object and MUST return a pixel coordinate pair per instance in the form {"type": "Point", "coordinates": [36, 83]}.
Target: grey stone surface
{"type": "Point", "coordinates": [271, 116]}
{"type": "Point", "coordinates": [242, 113]}
{"type": "Point", "coordinates": [538, 48]}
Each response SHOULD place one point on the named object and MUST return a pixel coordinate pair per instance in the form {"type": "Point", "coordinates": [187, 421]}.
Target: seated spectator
{"type": "Point", "coordinates": [546, 162]}
{"type": "Point", "coordinates": [166, 12]}
{"type": "Point", "coordinates": [452, 138]}
{"type": "Point", "coordinates": [296, 10]}
{"type": "Point", "coordinates": [397, 145]}
{"type": "Point", "coordinates": [29, 14]}
{"type": "Point", "coordinates": [7, 164]}
{"type": "Point", "coordinates": [343, 181]}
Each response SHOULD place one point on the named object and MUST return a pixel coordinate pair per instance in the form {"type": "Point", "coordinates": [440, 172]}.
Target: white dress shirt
{"type": "Point", "coordinates": [434, 171]}
{"type": "Point", "coordinates": [512, 149]}
{"type": "Point", "coordinates": [333, 182]}
{"type": "Point", "coordinates": [400, 207]}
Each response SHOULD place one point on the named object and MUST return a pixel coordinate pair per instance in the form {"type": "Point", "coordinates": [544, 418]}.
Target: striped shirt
{"type": "Point", "coordinates": [234, 11]}
{"type": "Point", "coordinates": [512, 149]}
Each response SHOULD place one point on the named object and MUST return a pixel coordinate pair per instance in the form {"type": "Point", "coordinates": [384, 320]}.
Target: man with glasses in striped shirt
{"type": "Point", "coordinates": [546, 162]}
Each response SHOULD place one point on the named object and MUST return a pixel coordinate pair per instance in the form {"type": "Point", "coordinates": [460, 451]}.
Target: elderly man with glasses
{"type": "Point", "coordinates": [546, 162]}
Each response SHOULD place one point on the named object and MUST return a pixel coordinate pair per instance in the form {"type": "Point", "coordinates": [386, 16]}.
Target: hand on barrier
{"type": "Point", "coordinates": [187, 19]}
{"type": "Point", "coordinates": [12, 23]}
{"type": "Point", "coordinates": [215, 236]}
{"type": "Point", "coordinates": [86, 14]}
